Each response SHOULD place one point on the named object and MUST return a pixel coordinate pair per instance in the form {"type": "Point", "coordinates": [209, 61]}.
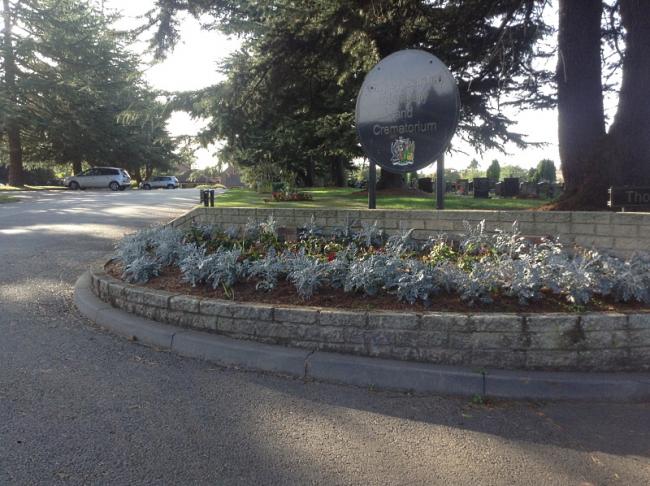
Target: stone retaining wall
{"type": "Point", "coordinates": [594, 341]}
{"type": "Point", "coordinates": [620, 233]}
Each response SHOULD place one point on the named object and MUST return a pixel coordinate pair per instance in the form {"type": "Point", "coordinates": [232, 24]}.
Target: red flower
{"type": "Point", "coordinates": [331, 256]}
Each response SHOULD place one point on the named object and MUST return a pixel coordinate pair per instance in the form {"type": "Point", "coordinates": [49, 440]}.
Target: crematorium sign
{"type": "Point", "coordinates": [407, 111]}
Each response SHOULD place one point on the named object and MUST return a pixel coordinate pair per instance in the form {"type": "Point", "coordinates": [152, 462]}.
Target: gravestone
{"type": "Point", "coordinates": [528, 189]}
{"type": "Point", "coordinates": [481, 187]}
{"type": "Point", "coordinates": [510, 187]}
{"type": "Point", "coordinates": [425, 184]}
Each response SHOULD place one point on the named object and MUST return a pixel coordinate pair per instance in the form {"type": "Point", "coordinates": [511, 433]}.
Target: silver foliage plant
{"type": "Point", "coordinates": [267, 271]}
{"type": "Point", "coordinates": [501, 262]}
{"type": "Point", "coordinates": [142, 269]}
{"type": "Point", "coordinates": [193, 265]}
{"type": "Point", "coordinates": [222, 268]}
{"type": "Point", "coordinates": [307, 275]}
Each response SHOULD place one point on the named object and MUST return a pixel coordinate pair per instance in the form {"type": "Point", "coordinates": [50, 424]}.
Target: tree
{"type": "Point", "coordinates": [629, 133]}
{"type": "Point", "coordinates": [581, 119]}
{"type": "Point", "coordinates": [72, 79]}
{"type": "Point", "coordinates": [472, 170]}
{"type": "Point", "coordinates": [494, 170]}
{"type": "Point", "coordinates": [514, 171]}
{"type": "Point", "coordinates": [590, 159]}
{"type": "Point", "coordinates": [545, 171]}
{"type": "Point", "coordinates": [10, 121]}
{"type": "Point", "coordinates": [486, 44]}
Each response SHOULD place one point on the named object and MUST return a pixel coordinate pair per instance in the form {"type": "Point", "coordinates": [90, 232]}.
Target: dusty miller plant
{"type": "Point", "coordinates": [192, 265]}
{"type": "Point", "coordinates": [339, 267]}
{"type": "Point", "coordinates": [473, 237]}
{"type": "Point", "coordinates": [310, 230]}
{"type": "Point", "coordinates": [374, 273]}
{"type": "Point", "coordinates": [222, 268]}
{"type": "Point", "coordinates": [401, 242]}
{"type": "Point", "coordinates": [306, 274]}
{"type": "Point", "coordinates": [142, 269]}
{"type": "Point", "coordinates": [632, 279]}
{"type": "Point", "coordinates": [134, 246]}
{"type": "Point", "coordinates": [267, 270]}
{"type": "Point", "coordinates": [168, 245]}
{"type": "Point", "coordinates": [345, 233]}
{"type": "Point", "coordinates": [370, 234]}
{"type": "Point", "coordinates": [416, 284]}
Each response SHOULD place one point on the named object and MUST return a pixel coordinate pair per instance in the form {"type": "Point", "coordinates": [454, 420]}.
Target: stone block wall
{"type": "Point", "coordinates": [590, 342]}
{"type": "Point", "coordinates": [620, 233]}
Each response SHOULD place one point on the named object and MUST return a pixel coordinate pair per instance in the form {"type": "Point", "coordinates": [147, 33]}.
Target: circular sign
{"type": "Point", "coordinates": [407, 111]}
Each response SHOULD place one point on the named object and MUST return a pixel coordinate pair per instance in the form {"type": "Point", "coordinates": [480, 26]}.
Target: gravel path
{"type": "Point", "coordinates": [80, 406]}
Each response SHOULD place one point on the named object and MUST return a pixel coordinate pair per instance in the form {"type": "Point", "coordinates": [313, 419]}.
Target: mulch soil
{"type": "Point", "coordinates": [285, 294]}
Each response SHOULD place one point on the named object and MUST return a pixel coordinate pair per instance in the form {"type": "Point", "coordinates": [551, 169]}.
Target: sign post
{"type": "Point", "coordinates": [440, 182]}
{"type": "Point", "coordinates": [372, 185]}
{"type": "Point", "coordinates": [407, 112]}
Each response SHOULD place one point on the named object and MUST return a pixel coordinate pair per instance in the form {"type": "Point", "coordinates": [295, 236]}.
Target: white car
{"type": "Point", "coordinates": [165, 182]}
{"type": "Point", "coordinates": [114, 178]}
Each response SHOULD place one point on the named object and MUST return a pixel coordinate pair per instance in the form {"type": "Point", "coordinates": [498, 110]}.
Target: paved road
{"type": "Point", "coordinates": [80, 406]}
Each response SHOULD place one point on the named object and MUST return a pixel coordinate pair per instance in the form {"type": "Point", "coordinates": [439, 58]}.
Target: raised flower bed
{"type": "Point", "coordinates": [357, 291]}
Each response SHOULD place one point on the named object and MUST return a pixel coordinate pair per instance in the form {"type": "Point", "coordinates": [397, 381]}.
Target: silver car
{"type": "Point", "coordinates": [166, 182]}
{"type": "Point", "coordinates": [114, 178]}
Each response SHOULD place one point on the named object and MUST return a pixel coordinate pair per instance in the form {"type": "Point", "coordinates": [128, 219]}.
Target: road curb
{"type": "Point", "coordinates": [363, 371]}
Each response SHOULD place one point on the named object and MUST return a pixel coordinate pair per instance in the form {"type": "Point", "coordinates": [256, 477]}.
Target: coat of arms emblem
{"type": "Point", "coordinates": [403, 150]}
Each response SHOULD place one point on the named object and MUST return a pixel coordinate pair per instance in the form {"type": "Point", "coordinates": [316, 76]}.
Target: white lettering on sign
{"type": "Point", "coordinates": [634, 197]}
{"type": "Point", "coordinates": [405, 128]}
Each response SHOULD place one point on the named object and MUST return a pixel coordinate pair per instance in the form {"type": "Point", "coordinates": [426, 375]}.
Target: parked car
{"type": "Point", "coordinates": [166, 182]}
{"type": "Point", "coordinates": [114, 178]}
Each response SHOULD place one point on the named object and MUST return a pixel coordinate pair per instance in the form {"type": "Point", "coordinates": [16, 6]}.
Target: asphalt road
{"type": "Point", "coordinates": [80, 406]}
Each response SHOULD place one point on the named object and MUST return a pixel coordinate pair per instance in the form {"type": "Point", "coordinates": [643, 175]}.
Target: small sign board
{"type": "Point", "coordinates": [407, 111]}
{"type": "Point", "coordinates": [629, 197]}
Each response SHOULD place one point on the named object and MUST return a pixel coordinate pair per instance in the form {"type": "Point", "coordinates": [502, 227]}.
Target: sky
{"type": "Point", "coordinates": [192, 65]}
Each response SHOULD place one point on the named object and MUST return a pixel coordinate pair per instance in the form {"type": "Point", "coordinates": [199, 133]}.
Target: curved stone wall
{"type": "Point", "coordinates": [619, 233]}
{"type": "Point", "coordinates": [591, 341]}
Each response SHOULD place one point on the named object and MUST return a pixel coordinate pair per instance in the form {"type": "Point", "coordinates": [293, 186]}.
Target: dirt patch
{"type": "Point", "coordinates": [285, 294]}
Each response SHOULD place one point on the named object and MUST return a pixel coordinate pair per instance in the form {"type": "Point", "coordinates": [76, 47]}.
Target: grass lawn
{"type": "Point", "coordinates": [326, 197]}
{"type": "Point", "coordinates": [31, 188]}
{"type": "Point", "coordinates": [7, 199]}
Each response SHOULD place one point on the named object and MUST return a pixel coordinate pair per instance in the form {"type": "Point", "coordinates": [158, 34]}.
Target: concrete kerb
{"type": "Point", "coordinates": [363, 371]}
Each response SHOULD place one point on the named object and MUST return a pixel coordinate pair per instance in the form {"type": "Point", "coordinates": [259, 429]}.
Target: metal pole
{"type": "Point", "coordinates": [440, 183]}
{"type": "Point", "coordinates": [372, 185]}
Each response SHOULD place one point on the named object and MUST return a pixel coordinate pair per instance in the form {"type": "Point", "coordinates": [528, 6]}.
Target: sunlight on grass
{"type": "Point", "coordinates": [325, 197]}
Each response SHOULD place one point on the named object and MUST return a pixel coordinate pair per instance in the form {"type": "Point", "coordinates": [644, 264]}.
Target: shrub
{"type": "Point", "coordinates": [267, 270]}
{"type": "Point", "coordinates": [291, 196]}
{"type": "Point", "coordinates": [141, 270]}
{"type": "Point", "coordinates": [478, 268]}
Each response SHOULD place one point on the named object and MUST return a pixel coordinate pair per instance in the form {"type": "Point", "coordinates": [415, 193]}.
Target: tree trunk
{"type": "Point", "coordinates": [12, 127]}
{"type": "Point", "coordinates": [311, 173]}
{"type": "Point", "coordinates": [76, 167]}
{"type": "Point", "coordinates": [581, 118]}
{"type": "Point", "coordinates": [390, 180]}
{"type": "Point", "coordinates": [630, 132]}
{"type": "Point", "coordinates": [338, 171]}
